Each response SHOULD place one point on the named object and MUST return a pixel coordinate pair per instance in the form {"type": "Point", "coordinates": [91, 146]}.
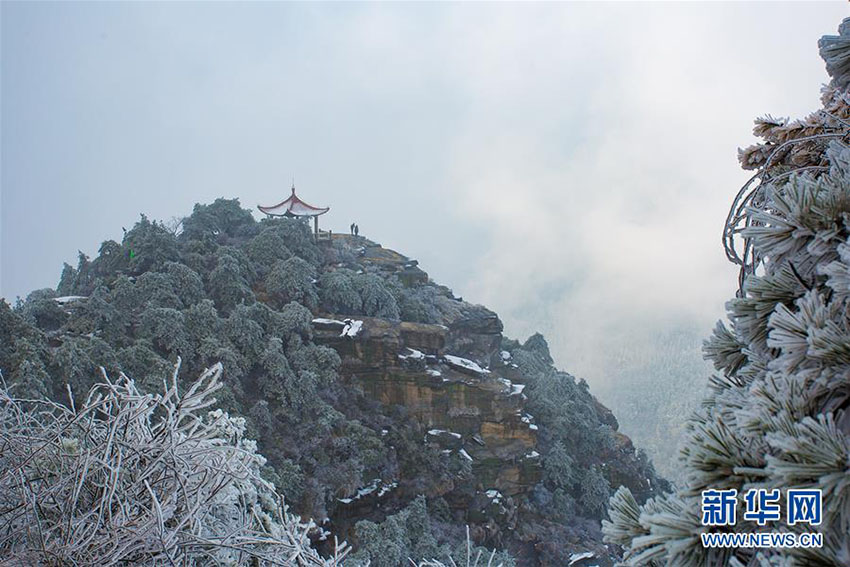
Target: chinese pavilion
{"type": "Point", "coordinates": [295, 207]}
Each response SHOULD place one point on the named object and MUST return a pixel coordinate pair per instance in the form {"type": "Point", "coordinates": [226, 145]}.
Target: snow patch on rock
{"type": "Point", "coordinates": [412, 354]}
{"type": "Point", "coordinates": [465, 364]}
{"type": "Point", "coordinates": [494, 495]}
{"type": "Point", "coordinates": [576, 557]}
{"type": "Point", "coordinates": [351, 329]}
{"type": "Point", "coordinates": [375, 486]}
{"type": "Point", "coordinates": [436, 432]}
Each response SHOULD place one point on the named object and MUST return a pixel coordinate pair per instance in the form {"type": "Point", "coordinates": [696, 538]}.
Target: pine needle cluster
{"type": "Point", "coordinates": [778, 411]}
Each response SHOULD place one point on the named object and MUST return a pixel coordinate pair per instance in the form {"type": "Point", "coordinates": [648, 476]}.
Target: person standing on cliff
{"type": "Point", "coordinates": [356, 230]}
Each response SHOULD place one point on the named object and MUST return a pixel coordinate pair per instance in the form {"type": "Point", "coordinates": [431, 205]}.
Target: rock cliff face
{"type": "Point", "coordinates": [466, 407]}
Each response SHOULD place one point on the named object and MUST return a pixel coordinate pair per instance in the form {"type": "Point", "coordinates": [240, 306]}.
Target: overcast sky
{"type": "Point", "coordinates": [568, 165]}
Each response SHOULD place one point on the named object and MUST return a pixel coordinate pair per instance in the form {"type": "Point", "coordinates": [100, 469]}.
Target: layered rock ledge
{"type": "Point", "coordinates": [463, 406]}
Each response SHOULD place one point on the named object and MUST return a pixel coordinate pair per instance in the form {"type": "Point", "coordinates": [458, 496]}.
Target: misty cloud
{"type": "Point", "coordinates": [569, 165]}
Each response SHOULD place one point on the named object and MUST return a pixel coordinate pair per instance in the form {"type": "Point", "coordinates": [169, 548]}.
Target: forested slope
{"type": "Point", "coordinates": [259, 298]}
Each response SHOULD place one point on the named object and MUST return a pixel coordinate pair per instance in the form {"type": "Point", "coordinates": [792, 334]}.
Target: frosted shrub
{"type": "Point", "coordinates": [293, 280]}
{"type": "Point", "coordinates": [338, 292]}
{"type": "Point", "coordinates": [267, 248]}
{"type": "Point", "coordinates": [137, 478]}
{"type": "Point", "coordinates": [227, 284]}
{"type": "Point", "coordinates": [376, 297]}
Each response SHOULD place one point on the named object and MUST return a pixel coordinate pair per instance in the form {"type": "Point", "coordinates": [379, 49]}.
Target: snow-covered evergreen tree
{"type": "Point", "coordinates": [338, 292]}
{"type": "Point", "coordinates": [376, 297]}
{"type": "Point", "coordinates": [778, 412]}
{"type": "Point", "coordinates": [227, 283]}
{"type": "Point", "coordinates": [293, 280]}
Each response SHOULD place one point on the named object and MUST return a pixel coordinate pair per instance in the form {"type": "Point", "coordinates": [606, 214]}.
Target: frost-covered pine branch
{"type": "Point", "coordinates": [788, 148]}
{"type": "Point", "coordinates": [778, 412]}
{"type": "Point", "coordinates": [128, 477]}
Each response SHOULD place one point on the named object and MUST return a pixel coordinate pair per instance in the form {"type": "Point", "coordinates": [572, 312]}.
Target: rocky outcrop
{"type": "Point", "coordinates": [476, 334]}
{"type": "Point", "coordinates": [464, 407]}
{"type": "Point", "coordinates": [463, 385]}
{"type": "Point", "coordinates": [374, 255]}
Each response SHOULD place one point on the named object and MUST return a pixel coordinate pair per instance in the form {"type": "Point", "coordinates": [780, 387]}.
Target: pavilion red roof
{"type": "Point", "coordinates": [293, 207]}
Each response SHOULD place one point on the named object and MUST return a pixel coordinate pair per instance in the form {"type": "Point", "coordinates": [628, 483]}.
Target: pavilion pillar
{"type": "Point", "coordinates": [316, 226]}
